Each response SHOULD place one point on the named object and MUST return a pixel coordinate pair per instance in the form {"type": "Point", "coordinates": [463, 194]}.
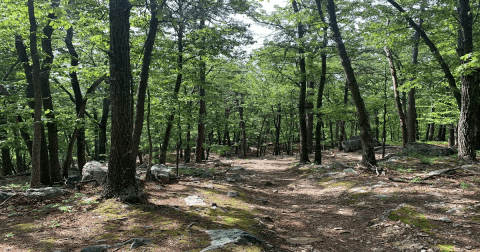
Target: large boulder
{"type": "Point", "coordinates": [43, 193]}
{"type": "Point", "coordinates": [429, 149]}
{"type": "Point", "coordinates": [355, 144]}
{"type": "Point", "coordinates": [161, 172]}
{"type": "Point", "coordinates": [95, 170]}
{"type": "Point", "coordinates": [221, 238]}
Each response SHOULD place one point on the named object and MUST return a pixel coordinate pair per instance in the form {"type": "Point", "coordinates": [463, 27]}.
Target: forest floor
{"type": "Point", "coordinates": [291, 207]}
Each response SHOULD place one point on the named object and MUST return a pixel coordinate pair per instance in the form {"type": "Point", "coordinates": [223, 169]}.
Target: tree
{"type": "Point", "coordinates": [120, 181]}
{"type": "Point", "coordinates": [368, 154]}
{"type": "Point", "coordinates": [37, 125]}
{"type": "Point", "coordinates": [398, 103]}
{"type": "Point", "coordinates": [470, 84]}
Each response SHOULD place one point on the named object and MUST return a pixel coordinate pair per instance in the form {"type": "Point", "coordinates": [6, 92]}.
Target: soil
{"type": "Point", "coordinates": [290, 206]}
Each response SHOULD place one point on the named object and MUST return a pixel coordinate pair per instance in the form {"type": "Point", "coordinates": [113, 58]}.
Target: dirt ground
{"type": "Point", "coordinates": [291, 207]}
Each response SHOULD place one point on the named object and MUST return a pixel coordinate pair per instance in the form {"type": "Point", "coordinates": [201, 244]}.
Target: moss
{"type": "Point", "coordinates": [110, 208]}
{"type": "Point", "coordinates": [343, 184]}
{"type": "Point", "coordinates": [234, 218]}
{"type": "Point", "coordinates": [476, 219]}
{"type": "Point", "coordinates": [49, 242]}
{"type": "Point", "coordinates": [408, 215]}
{"type": "Point", "coordinates": [446, 248]}
{"type": "Point", "coordinates": [25, 227]}
{"type": "Point", "coordinates": [355, 197]}
{"type": "Point", "coordinates": [239, 248]}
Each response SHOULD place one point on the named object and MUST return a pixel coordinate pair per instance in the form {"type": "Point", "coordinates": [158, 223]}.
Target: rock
{"type": "Point", "coordinates": [221, 237]}
{"type": "Point", "coordinates": [95, 170]}
{"type": "Point", "coordinates": [234, 178]}
{"type": "Point", "coordinates": [261, 200]}
{"type": "Point", "coordinates": [135, 243]}
{"type": "Point", "coordinates": [445, 219]}
{"type": "Point", "coordinates": [233, 194]}
{"type": "Point", "coordinates": [43, 193]}
{"type": "Point", "coordinates": [303, 240]}
{"type": "Point", "coordinates": [194, 201]}
{"type": "Point", "coordinates": [74, 179]}
{"type": "Point", "coordinates": [97, 248]}
{"type": "Point", "coordinates": [222, 164]}
{"type": "Point", "coordinates": [161, 172]}
{"type": "Point", "coordinates": [5, 195]}
{"type": "Point", "coordinates": [350, 171]}
{"type": "Point", "coordinates": [429, 149]}
{"type": "Point", "coordinates": [236, 168]}
{"type": "Point", "coordinates": [355, 144]}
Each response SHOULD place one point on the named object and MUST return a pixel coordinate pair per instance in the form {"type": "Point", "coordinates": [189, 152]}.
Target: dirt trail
{"type": "Point", "coordinates": [291, 207]}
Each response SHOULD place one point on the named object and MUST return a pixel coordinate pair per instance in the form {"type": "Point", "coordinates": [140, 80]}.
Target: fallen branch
{"type": "Point", "coordinates": [7, 199]}
{"type": "Point", "coordinates": [439, 172]}
{"type": "Point", "coordinates": [408, 180]}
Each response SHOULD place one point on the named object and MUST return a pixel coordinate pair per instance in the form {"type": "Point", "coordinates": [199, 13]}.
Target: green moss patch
{"type": "Point", "coordinates": [110, 208]}
{"type": "Point", "coordinates": [446, 248]}
{"type": "Point", "coordinates": [409, 215]}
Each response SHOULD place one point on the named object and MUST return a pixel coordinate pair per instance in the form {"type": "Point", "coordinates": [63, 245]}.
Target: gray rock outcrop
{"type": "Point", "coordinates": [222, 237]}
{"type": "Point", "coordinates": [355, 144]}
{"type": "Point", "coordinates": [95, 170]}
{"type": "Point", "coordinates": [429, 149]}
{"type": "Point", "coordinates": [43, 193]}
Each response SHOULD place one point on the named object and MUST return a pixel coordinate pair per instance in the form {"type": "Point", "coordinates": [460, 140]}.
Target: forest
{"type": "Point", "coordinates": [171, 83]}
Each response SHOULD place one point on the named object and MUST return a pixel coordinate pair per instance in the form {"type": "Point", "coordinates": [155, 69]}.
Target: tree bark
{"type": "Point", "coordinates": [78, 100]}
{"type": "Point", "coordinates": [368, 154]}
{"type": "Point", "coordinates": [142, 86]}
{"type": "Point", "coordinates": [54, 166]}
{"type": "Point", "coordinates": [277, 122]}
{"type": "Point", "coordinates": [37, 124]}
{"type": "Point", "coordinates": [303, 93]}
{"type": "Point", "coordinates": [398, 103]}
{"type": "Point", "coordinates": [412, 110]}
{"type": "Point", "coordinates": [470, 78]}
{"type": "Point", "coordinates": [120, 181]}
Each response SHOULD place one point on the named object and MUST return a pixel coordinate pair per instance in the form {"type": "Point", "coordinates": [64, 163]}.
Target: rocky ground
{"type": "Point", "coordinates": [270, 203]}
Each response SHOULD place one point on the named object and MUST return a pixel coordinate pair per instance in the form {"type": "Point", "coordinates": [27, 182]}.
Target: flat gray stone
{"type": "Point", "coordinates": [194, 201]}
{"type": "Point", "coordinates": [233, 194]}
{"type": "Point", "coordinates": [222, 237]}
{"type": "Point", "coordinates": [44, 193]}
{"type": "Point", "coordinates": [446, 220]}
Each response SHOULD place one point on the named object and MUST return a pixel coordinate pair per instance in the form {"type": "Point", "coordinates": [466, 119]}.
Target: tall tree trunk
{"type": "Point", "coordinates": [78, 98]}
{"type": "Point", "coordinates": [277, 122]}
{"type": "Point", "coordinates": [303, 94]}
{"type": "Point", "coordinates": [37, 87]}
{"type": "Point", "coordinates": [412, 110]}
{"type": "Point", "coordinates": [168, 130]}
{"type": "Point", "coordinates": [398, 103]}
{"type": "Point", "coordinates": [28, 69]}
{"type": "Point", "coordinates": [102, 127]}
{"type": "Point", "coordinates": [54, 166]}
{"type": "Point", "coordinates": [149, 175]}
{"type": "Point", "coordinates": [470, 86]}
{"type": "Point", "coordinates": [142, 86]}
{"type": "Point", "coordinates": [120, 181]}
{"type": "Point", "coordinates": [243, 148]}
{"type": "Point", "coordinates": [321, 87]}
{"type": "Point", "coordinates": [309, 118]}
{"type": "Point", "coordinates": [7, 166]}
{"type": "Point", "coordinates": [76, 132]}
{"type": "Point", "coordinates": [451, 135]}
{"type": "Point", "coordinates": [368, 154]}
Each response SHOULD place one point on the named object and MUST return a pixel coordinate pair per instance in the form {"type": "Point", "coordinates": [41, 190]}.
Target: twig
{"type": "Point", "coordinates": [8, 199]}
